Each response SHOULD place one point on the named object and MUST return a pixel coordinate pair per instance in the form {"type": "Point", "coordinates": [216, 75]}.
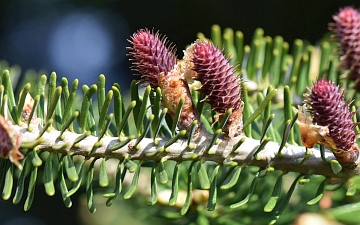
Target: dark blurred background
{"type": "Point", "coordinates": [84, 38]}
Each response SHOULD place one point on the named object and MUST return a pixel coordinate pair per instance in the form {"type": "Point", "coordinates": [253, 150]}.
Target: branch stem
{"type": "Point", "coordinates": [290, 160]}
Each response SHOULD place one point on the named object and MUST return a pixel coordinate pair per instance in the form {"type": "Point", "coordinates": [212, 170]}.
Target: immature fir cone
{"type": "Point", "coordinates": [329, 109]}
{"type": "Point", "coordinates": [152, 55]}
{"type": "Point", "coordinates": [156, 62]}
{"type": "Point", "coordinates": [347, 29]}
{"type": "Point", "coordinates": [207, 64]}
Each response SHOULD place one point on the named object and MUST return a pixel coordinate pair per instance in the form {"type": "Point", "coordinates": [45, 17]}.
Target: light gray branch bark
{"type": "Point", "coordinates": [292, 155]}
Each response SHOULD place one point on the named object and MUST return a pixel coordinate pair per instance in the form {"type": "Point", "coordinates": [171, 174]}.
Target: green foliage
{"type": "Point", "coordinates": [214, 191]}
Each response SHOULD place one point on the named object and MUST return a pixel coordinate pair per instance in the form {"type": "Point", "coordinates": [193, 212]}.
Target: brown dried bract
{"type": "Point", "coordinates": [312, 134]}
{"type": "Point", "coordinates": [10, 142]}
{"type": "Point", "coordinates": [174, 88]}
{"type": "Point", "coordinates": [28, 106]}
{"type": "Point", "coordinates": [234, 126]}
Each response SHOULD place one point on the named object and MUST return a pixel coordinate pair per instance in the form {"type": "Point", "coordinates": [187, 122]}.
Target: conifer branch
{"type": "Point", "coordinates": [291, 158]}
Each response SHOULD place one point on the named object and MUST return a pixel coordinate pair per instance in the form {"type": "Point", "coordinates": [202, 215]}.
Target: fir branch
{"type": "Point", "coordinates": [292, 158]}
